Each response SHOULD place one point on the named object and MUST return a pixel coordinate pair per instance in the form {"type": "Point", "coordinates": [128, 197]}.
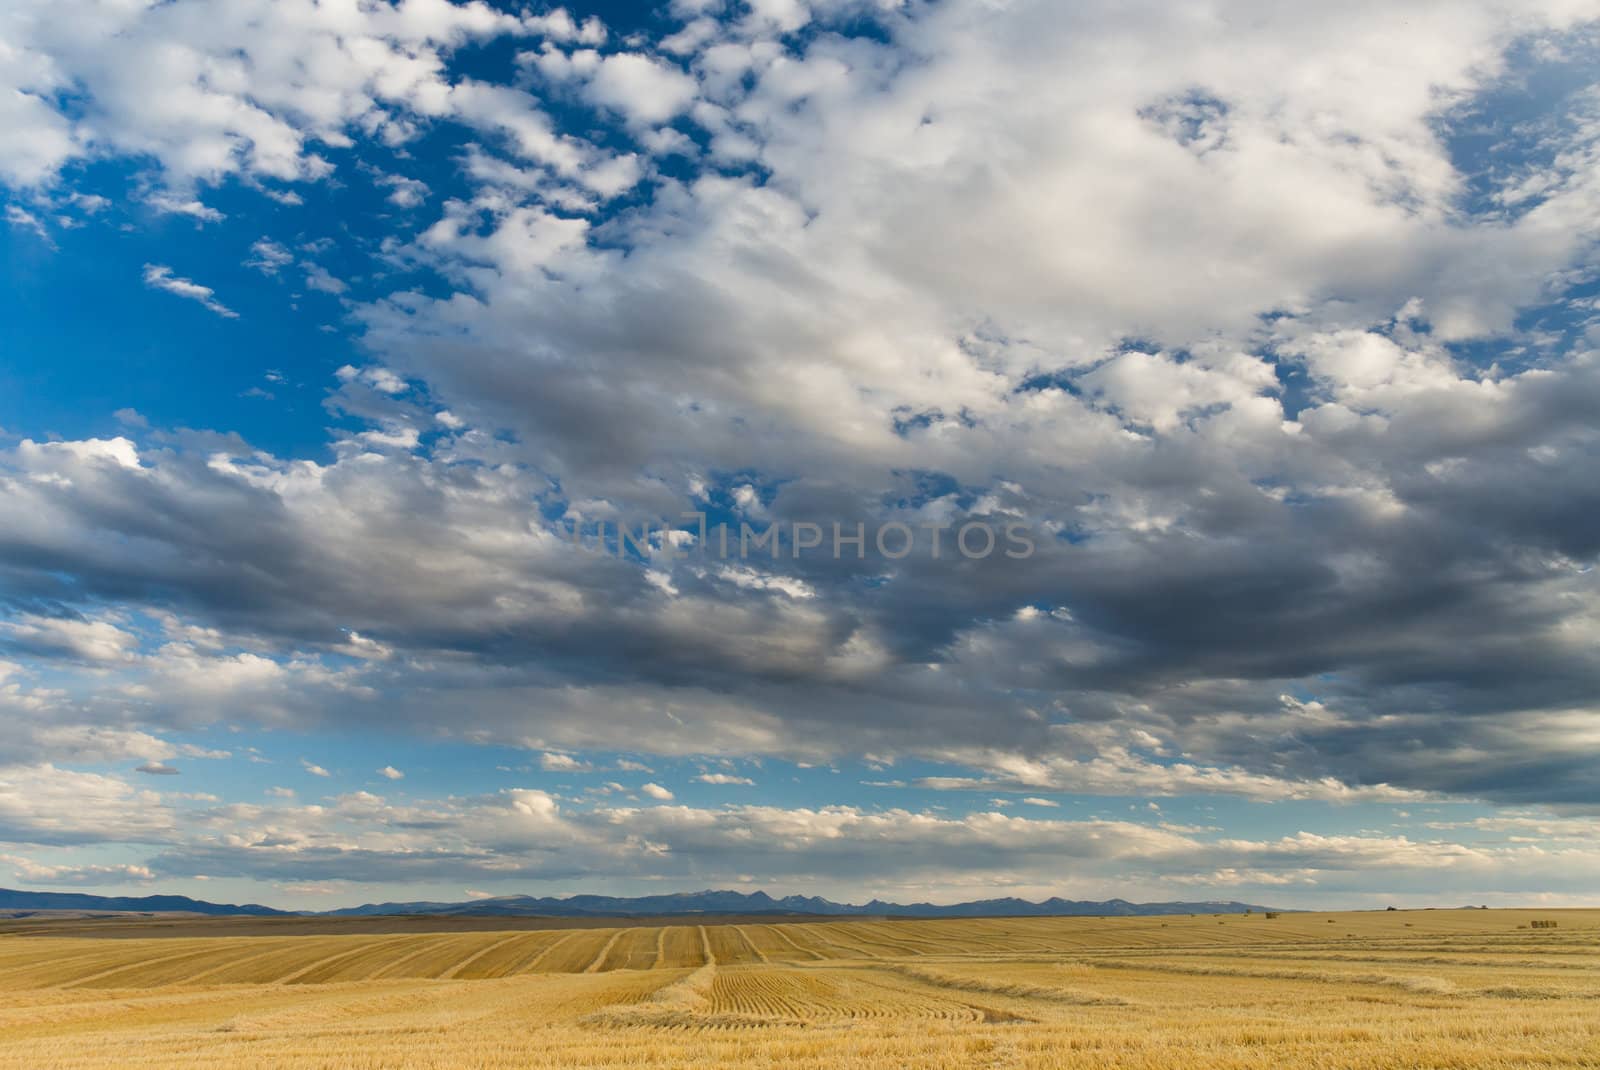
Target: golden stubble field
{"type": "Point", "coordinates": [1409, 989]}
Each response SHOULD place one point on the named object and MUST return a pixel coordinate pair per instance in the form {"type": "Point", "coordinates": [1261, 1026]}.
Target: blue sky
{"type": "Point", "coordinates": [1275, 331]}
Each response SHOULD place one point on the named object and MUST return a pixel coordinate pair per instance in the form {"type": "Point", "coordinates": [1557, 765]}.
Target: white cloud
{"type": "Point", "coordinates": [157, 769]}
{"type": "Point", "coordinates": [268, 257]}
{"type": "Point", "coordinates": [389, 772]}
{"type": "Point", "coordinates": [724, 779]}
{"type": "Point", "coordinates": [41, 138]}
{"type": "Point", "coordinates": [320, 279]}
{"type": "Point", "coordinates": [656, 791]}
{"type": "Point", "coordinates": [404, 192]}
{"type": "Point", "coordinates": [160, 277]}
{"type": "Point", "coordinates": [34, 872]}
{"type": "Point", "coordinates": [89, 640]}
{"type": "Point", "coordinates": [48, 461]}
{"type": "Point", "coordinates": [516, 116]}
{"type": "Point", "coordinates": [241, 91]}
{"type": "Point", "coordinates": [313, 768]}
{"type": "Point", "coordinates": [1117, 771]}
{"type": "Point", "coordinates": [168, 204]}
{"type": "Point", "coordinates": [311, 888]}
{"type": "Point", "coordinates": [22, 219]}
{"type": "Point", "coordinates": [640, 88]}
{"type": "Point", "coordinates": [46, 804]}
{"type": "Point", "coordinates": [559, 25]}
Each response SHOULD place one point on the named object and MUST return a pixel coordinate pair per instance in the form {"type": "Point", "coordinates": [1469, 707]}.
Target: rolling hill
{"type": "Point", "coordinates": [15, 900]}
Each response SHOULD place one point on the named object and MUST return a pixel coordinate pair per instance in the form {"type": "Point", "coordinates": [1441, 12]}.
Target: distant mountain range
{"type": "Point", "coordinates": [726, 902]}
{"type": "Point", "coordinates": [706, 902]}
{"type": "Point", "coordinates": [11, 900]}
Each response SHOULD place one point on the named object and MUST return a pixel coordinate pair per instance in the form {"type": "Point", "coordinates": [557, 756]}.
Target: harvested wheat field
{"type": "Point", "coordinates": [1394, 989]}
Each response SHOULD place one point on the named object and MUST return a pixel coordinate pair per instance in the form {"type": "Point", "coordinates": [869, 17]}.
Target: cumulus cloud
{"type": "Point", "coordinates": [235, 100]}
{"type": "Point", "coordinates": [47, 804]}
{"type": "Point", "coordinates": [88, 640]}
{"type": "Point", "coordinates": [640, 88]}
{"type": "Point", "coordinates": [1227, 314]}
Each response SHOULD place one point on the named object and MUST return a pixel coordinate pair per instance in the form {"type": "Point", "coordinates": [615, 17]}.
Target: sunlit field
{"type": "Point", "coordinates": [1391, 989]}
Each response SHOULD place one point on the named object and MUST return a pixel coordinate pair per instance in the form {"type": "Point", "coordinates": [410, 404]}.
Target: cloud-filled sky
{"type": "Point", "coordinates": [335, 336]}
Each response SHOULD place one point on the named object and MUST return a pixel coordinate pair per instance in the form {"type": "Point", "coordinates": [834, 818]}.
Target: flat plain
{"type": "Point", "coordinates": [1396, 989]}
